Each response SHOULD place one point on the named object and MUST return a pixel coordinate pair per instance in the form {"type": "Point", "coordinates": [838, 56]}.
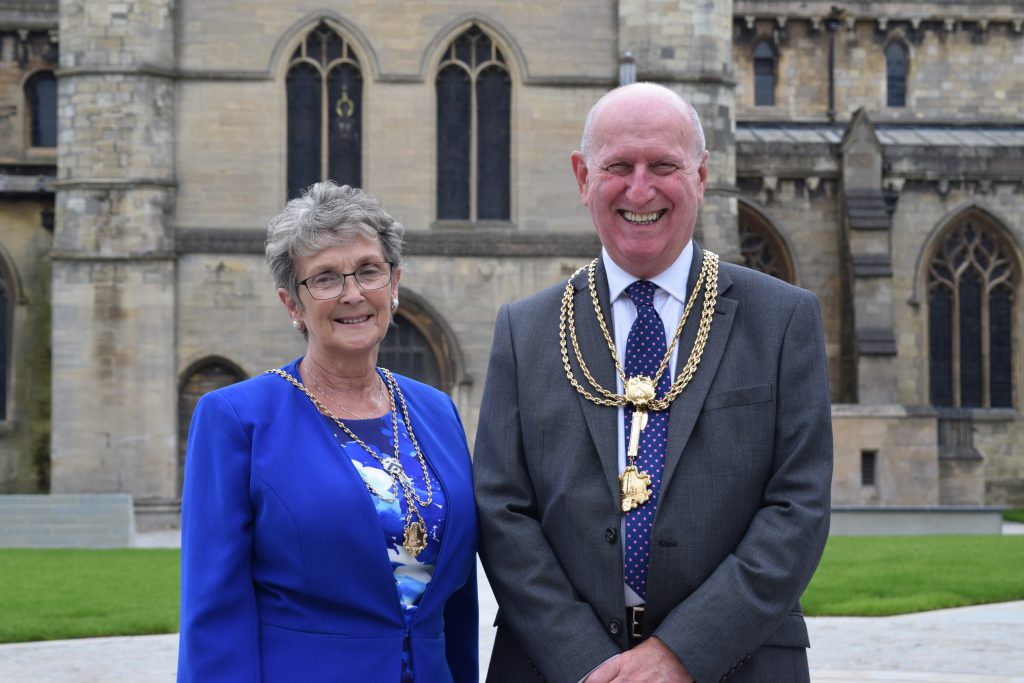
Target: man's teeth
{"type": "Point", "coordinates": [641, 218]}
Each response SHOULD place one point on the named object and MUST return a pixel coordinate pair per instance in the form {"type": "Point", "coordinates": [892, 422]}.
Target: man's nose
{"type": "Point", "coordinates": [641, 186]}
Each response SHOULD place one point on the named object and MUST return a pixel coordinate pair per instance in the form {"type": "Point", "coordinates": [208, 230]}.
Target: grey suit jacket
{"type": "Point", "coordinates": [744, 504]}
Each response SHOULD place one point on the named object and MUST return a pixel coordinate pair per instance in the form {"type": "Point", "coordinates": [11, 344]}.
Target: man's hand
{"type": "Point", "coordinates": [649, 662]}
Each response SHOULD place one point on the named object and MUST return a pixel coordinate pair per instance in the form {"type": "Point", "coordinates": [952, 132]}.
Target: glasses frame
{"type": "Point", "coordinates": [344, 281]}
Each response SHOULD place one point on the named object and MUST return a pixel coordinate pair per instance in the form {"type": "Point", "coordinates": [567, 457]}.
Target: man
{"type": "Point", "coordinates": [653, 515]}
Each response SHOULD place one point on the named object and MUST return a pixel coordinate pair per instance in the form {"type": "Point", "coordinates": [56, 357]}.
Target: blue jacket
{"type": "Point", "coordinates": [285, 575]}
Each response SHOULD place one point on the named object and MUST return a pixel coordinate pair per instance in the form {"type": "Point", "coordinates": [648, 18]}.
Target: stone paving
{"type": "Point", "coordinates": [982, 644]}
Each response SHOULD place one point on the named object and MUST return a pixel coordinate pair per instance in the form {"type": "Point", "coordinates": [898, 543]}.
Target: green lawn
{"type": "Point", "coordinates": [882, 575]}
{"type": "Point", "coordinates": [54, 594]}
{"type": "Point", "coordinates": [51, 594]}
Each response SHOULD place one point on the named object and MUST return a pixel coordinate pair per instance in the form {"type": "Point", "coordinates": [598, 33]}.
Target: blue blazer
{"type": "Point", "coordinates": [285, 575]}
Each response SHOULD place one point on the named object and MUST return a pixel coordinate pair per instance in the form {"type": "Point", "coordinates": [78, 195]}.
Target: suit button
{"type": "Point", "coordinates": [611, 535]}
{"type": "Point", "coordinates": [614, 627]}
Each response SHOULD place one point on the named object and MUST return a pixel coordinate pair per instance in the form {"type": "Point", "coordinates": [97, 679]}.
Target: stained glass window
{"type": "Point", "coordinates": [762, 248]}
{"type": "Point", "coordinates": [324, 88]}
{"type": "Point", "coordinates": [41, 93]}
{"type": "Point", "coordinates": [971, 289]}
{"type": "Point", "coordinates": [474, 96]}
{"type": "Point", "coordinates": [764, 75]}
{"type": "Point", "coordinates": [407, 351]}
{"type": "Point", "coordinates": [5, 331]}
{"type": "Point", "coordinates": [896, 60]}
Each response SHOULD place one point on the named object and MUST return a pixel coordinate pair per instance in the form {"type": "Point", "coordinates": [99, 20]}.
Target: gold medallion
{"type": "Point", "coordinates": [415, 538]}
{"type": "Point", "coordinates": [639, 390]}
{"type": "Point", "coordinates": [635, 488]}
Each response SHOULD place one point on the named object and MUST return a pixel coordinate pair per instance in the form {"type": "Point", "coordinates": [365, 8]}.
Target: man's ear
{"type": "Point", "coordinates": [579, 169]}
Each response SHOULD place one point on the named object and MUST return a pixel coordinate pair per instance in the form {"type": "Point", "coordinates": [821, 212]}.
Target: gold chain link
{"type": "Point", "coordinates": [708, 276]}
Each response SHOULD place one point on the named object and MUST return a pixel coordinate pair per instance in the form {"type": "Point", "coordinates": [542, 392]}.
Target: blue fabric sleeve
{"type": "Point", "coordinates": [219, 638]}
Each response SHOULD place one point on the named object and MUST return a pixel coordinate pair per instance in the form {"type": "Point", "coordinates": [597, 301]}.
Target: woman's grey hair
{"type": "Point", "coordinates": [327, 215]}
{"type": "Point", "coordinates": [586, 145]}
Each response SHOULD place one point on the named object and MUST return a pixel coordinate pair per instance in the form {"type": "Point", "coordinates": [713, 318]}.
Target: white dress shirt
{"type": "Point", "coordinates": [669, 302]}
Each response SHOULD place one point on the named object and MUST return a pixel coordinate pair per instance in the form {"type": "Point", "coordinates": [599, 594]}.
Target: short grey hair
{"type": "Point", "coordinates": [699, 143]}
{"type": "Point", "coordinates": [327, 215]}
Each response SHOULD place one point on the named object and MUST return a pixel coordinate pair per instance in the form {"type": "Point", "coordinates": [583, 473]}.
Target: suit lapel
{"type": "Point", "coordinates": [601, 420]}
{"type": "Point", "coordinates": [686, 408]}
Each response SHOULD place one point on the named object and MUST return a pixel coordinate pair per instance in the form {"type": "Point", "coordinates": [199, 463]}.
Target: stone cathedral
{"type": "Point", "coordinates": [871, 152]}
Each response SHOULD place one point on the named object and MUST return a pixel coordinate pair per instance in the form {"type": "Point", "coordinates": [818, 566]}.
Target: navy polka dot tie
{"type": "Point", "coordinates": [645, 349]}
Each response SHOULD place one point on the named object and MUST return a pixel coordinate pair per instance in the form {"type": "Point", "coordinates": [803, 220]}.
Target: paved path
{"type": "Point", "coordinates": [983, 644]}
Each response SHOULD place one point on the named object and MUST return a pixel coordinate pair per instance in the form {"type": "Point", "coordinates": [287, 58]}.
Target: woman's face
{"type": "Point", "coordinates": [353, 323]}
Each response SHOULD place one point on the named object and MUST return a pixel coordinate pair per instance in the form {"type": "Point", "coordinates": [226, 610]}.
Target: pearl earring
{"type": "Point", "coordinates": [297, 324]}
{"type": "Point", "coordinates": [394, 303]}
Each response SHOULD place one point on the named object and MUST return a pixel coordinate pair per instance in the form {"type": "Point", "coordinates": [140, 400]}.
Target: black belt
{"type": "Point", "coordinates": [635, 625]}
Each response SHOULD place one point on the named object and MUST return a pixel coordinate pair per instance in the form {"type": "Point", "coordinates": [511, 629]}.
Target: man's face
{"type": "Point", "coordinates": [643, 184]}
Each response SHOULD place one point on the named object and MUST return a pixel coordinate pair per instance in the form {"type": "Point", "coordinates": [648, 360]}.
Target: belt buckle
{"type": "Point", "coordinates": [636, 622]}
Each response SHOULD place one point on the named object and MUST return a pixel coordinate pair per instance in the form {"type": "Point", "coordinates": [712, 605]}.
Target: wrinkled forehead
{"type": "Point", "coordinates": [639, 123]}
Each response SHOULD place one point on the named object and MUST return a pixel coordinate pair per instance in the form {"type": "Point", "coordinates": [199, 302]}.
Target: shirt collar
{"type": "Point", "coordinates": [672, 279]}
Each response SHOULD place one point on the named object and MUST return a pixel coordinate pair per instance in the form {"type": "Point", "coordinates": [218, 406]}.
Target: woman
{"type": "Point", "coordinates": [328, 525]}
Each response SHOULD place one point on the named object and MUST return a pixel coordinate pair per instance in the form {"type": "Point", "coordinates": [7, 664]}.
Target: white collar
{"type": "Point", "coordinates": [672, 279]}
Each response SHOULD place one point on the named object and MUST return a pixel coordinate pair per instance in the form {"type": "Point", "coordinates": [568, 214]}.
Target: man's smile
{"type": "Point", "coordinates": [642, 218]}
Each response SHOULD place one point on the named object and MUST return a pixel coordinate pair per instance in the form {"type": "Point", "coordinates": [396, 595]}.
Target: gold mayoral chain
{"type": "Point", "coordinates": [415, 528]}
{"type": "Point", "coordinates": [634, 484]}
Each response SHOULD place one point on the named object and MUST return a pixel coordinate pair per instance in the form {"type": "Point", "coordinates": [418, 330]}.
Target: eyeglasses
{"type": "Point", "coordinates": [331, 284]}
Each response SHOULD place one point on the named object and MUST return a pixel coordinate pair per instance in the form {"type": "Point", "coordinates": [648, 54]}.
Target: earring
{"type": "Point", "coordinates": [297, 324]}
{"type": "Point", "coordinates": [394, 303]}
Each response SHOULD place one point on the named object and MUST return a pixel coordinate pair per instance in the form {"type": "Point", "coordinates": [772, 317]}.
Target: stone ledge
{"type": "Point", "coordinates": [852, 520]}
{"type": "Point", "coordinates": [69, 520]}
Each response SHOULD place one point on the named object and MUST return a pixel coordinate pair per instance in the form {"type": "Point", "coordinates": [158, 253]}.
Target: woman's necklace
{"type": "Point", "coordinates": [415, 528]}
{"type": "Point", "coordinates": [376, 407]}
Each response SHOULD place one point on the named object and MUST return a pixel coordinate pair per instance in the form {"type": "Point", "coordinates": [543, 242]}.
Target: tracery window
{"type": "Point", "coordinates": [41, 96]}
{"type": "Point", "coordinates": [971, 290]}
{"type": "Point", "coordinates": [407, 351]}
{"type": "Point", "coordinates": [325, 111]}
{"type": "Point", "coordinates": [762, 248]}
{"type": "Point", "coordinates": [6, 315]}
{"type": "Point", "coordinates": [203, 377]}
{"type": "Point", "coordinates": [474, 97]}
{"type": "Point", "coordinates": [896, 62]}
{"type": "Point", "coordinates": [764, 75]}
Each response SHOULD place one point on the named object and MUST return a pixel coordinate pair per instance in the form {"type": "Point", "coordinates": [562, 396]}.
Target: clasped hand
{"type": "Point", "coordinates": [649, 662]}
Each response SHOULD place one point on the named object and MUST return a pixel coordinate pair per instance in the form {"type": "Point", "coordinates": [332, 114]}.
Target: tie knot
{"type": "Point", "coordinates": [642, 293]}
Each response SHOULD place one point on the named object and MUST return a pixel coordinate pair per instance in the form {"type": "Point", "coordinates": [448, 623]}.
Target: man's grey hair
{"type": "Point", "coordinates": [586, 145]}
{"type": "Point", "coordinates": [327, 215]}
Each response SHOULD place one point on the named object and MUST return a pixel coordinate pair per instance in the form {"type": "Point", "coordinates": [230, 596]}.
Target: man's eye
{"type": "Point", "coordinates": [663, 168]}
{"type": "Point", "coordinates": [619, 168]}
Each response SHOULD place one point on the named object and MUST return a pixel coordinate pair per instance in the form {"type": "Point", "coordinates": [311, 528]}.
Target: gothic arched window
{"type": "Point", "coordinates": [41, 96]}
{"type": "Point", "coordinates": [325, 110]}
{"type": "Point", "coordinates": [474, 98]}
{"type": "Point", "coordinates": [407, 351]}
{"type": "Point", "coordinates": [764, 75]}
{"type": "Point", "coordinates": [896, 62]}
{"type": "Point", "coordinates": [202, 377]}
{"type": "Point", "coordinates": [762, 248]}
{"type": "Point", "coordinates": [971, 291]}
{"type": "Point", "coordinates": [6, 316]}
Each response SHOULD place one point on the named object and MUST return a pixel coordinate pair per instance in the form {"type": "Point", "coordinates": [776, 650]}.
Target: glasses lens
{"type": "Point", "coordinates": [373, 275]}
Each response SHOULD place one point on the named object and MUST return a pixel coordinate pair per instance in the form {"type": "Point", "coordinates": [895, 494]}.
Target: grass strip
{"type": "Point", "coordinates": [886, 575]}
{"type": "Point", "coordinates": [56, 593]}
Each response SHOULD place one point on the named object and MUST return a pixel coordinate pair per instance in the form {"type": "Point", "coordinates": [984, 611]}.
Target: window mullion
{"type": "Point", "coordinates": [473, 149]}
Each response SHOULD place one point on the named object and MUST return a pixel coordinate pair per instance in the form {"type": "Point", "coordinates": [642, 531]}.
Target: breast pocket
{"type": "Point", "coordinates": [731, 398]}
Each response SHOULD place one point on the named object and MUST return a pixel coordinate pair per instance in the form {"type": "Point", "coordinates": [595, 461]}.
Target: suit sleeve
{"type": "Point", "coordinates": [753, 590]}
{"type": "Point", "coordinates": [521, 566]}
{"type": "Point", "coordinates": [219, 638]}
